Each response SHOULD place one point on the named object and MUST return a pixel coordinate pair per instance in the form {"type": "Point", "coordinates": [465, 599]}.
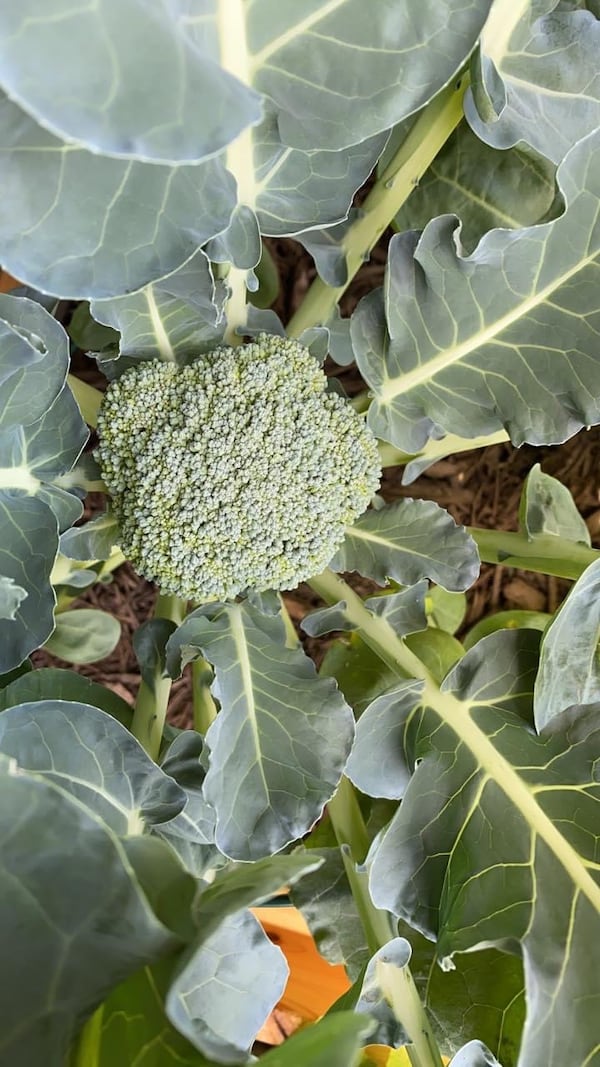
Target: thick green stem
{"type": "Point", "coordinates": [351, 833]}
{"type": "Point", "coordinates": [544, 553]}
{"type": "Point", "coordinates": [150, 709]}
{"type": "Point", "coordinates": [400, 991]}
{"type": "Point", "coordinates": [204, 707]}
{"type": "Point", "coordinates": [235, 59]}
{"type": "Point", "coordinates": [392, 188]}
{"type": "Point", "coordinates": [434, 450]}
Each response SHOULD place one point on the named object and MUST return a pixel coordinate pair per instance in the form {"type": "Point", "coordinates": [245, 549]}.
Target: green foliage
{"type": "Point", "coordinates": [188, 486]}
{"type": "Point", "coordinates": [428, 799]}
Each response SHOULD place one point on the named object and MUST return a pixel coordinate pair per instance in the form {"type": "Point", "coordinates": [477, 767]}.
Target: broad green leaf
{"type": "Point", "coordinates": [378, 761]}
{"type": "Point", "coordinates": [35, 456]}
{"type": "Point", "coordinates": [28, 546]}
{"type": "Point", "coordinates": [484, 187]}
{"type": "Point", "coordinates": [569, 671]}
{"type": "Point", "coordinates": [84, 635]}
{"type": "Point", "coordinates": [325, 620]}
{"type": "Point", "coordinates": [11, 595]}
{"type": "Point", "coordinates": [135, 223]}
{"type": "Point", "coordinates": [238, 887]}
{"type": "Point", "coordinates": [537, 78]}
{"type": "Point", "coordinates": [292, 191]}
{"type": "Point", "coordinates": [405, 611]}
{"type": "Point", "coordinates": [34, 361]}
{"type": "Point", "coordinates": [494, 844]}
{"type": "Point", "coordinates": [131, 101]}
{"type": "Point", "coordinates": [222, 993]}
{"type": "Point", "coordinates": [409, 540]}
{"type": "Point", "coordinates": [169, 888]}
{"type": "Point", "coordinates": [92, 758]}
{"type": "Point", "coordinates": [239, 244]}
{"type": "Point", "coordinates": [335, 1041]}
{"type": "Point", "coordinates": [481, 996]}
{"type": "Point", "coordinates": [192, 832]}
{"type": "Point", "coordinates": [94, 540]}
{"type": "Point", "coordinates": [445, 610]}
{"type": "Point", "coordinates": [279, 744]}
{"type": "Point", "coordinates": [325, 246]}
{"type": "Point", "coordinates": [339, 72]}
{"type": "Point", "coordinates": [502, 339]}
{"type": "Point", "coordinates": [325, 900]}
{"type": "Point", "coordinates": [90, 335]}
{"type": "Point", "coordinates": [52, 683]}
{"type": "Point", "coordinates": [131, 1027]}
{"type": "Point", "coordinates": [506, 620]}
{"type": "Point", "coordinates": [359, 672]}
{"type": "Point", "coordinates": [438, 650]}
{"type": "Point", "coordinates": [88, 923]}
{"type": "Point", "coordinates": [176, 318]}
{"type": "Point", "coordinates": [547, 507]}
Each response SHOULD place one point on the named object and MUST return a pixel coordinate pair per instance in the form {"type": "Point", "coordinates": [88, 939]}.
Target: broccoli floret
{"type": "Point", "coordinates": [238, 471]}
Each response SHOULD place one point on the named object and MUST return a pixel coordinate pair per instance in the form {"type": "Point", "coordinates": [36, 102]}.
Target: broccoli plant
{"type": "Point", "coordinates": [428, 801]}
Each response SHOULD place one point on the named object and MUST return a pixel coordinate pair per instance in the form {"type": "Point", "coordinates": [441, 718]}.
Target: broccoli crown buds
{"type": "Point", "coordinates": [239, 471]}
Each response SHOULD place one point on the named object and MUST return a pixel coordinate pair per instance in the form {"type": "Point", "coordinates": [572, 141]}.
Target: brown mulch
{"type": "Point", "coordinates": [480, 489]}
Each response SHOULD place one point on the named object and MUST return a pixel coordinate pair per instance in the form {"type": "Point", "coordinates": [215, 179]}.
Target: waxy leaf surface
{"type": "Point", "coordinates": [506, 338]}
{"type": "Point", "coordinates": [279, 744]}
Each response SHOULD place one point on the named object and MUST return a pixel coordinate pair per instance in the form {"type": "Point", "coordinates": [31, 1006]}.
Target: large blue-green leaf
{"type": "Point", "coordinates": [28, 547]}
{"type": "Point", "coordinates": [326, 902]}
{"type": "Point", "coordinates": [74, 920]}
{"type": "Point", "coordinates": [52, 683]}
{"type": "Point", "coordinates": [332, 1042]}
{"type": "Point", "coordinates": [537, 78]}
{"type": "Point", "coordinates": [94, 759]}
{"type": "Point", "coordinates": [84, 635]}
{"type": "Point", "coordinates": [503, 339]}
{"type": "Point", "coordinates": [141, 80]}
{"type": "Point", "coordinates": [547, 507]}
{"type": "Point", "coordinates": [34, 359]}
{"type": "Point", "coordinates": [128, 223]}
{"type": "Point", "coordinates": [240, 886]}
{"type": "Point", "coordinates": [131, 1027]}
{"type": "Point", "coordinates": [279, 744]}
{"type": "Point", "coordinates": [223, 993]}
{"type": "Point", "coordinates": [192, 832]}
{"type": "Point", "coordinates": [341, 71]}
{"type": "Point", "coordinates": [484, 187]}
{"type": "Point", "coordinates": [407, 541]}
{"type": "Point", "coordinates": [569, 663]}
{"type": "Point", "coordinates": [94, 540]}
{"type": "Point", "coordinates": [177, 317]}
{"type": "Point", "coordinates": [293, 190]}
{"type": "Point", "coordinates": [494, 841]}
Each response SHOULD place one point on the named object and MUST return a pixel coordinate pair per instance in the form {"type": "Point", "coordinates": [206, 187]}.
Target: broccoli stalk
{"type": "Point", "coordinates": [239, 471]}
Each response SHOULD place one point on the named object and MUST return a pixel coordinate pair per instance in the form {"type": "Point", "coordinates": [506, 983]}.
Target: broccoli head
{"type": "Point", "coordinates": [239, 471]}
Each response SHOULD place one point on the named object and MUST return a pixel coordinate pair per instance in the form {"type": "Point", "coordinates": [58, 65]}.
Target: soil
{"type": "Point", "coordinates": [480, 488]}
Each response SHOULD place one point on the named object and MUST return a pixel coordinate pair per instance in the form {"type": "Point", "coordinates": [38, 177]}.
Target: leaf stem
{"type": "Point", "coordinates": [544, 553]}
{"type": "Point", "coordinates": [392, 188]}
{"type": "Point", "coordinates": [150, 709]}
{"type": "Point", "coordinates": [351, 833]}
{"type": "Point", "coordinates": [449, 445]}
{"type": "Point", "coordinates": [235, 59]}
